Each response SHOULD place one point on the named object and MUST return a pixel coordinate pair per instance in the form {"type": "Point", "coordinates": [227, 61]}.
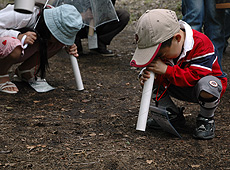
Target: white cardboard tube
{"type": "Point", "coordinates": [77, 73]}
{"type": "Point", "coordinates": [145, 103]}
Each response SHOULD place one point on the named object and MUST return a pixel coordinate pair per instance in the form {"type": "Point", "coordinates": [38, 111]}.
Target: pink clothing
{"type": "Point", "coordinates": [8, 44]}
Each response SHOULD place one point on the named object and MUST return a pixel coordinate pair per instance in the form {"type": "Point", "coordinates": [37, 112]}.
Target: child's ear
{"type": "Point", "coordinates": [177, 37]}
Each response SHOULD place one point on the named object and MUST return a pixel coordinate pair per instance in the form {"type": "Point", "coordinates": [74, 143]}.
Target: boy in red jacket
{"type": "Point", "coordinates": [185, 66]}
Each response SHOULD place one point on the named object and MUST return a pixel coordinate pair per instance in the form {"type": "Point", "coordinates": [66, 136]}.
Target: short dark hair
{"type": "Point", "coordinates": [167, 43]}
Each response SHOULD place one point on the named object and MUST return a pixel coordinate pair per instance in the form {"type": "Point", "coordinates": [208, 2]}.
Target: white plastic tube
{"type": "Point", "coordinates": [24, 6]}
{"type": "Point", "coordinates": [145, 103]}
{"type": "Point", "coordinates": [77, 73]}
{"type": "Point", "coordinates": [23, 41]}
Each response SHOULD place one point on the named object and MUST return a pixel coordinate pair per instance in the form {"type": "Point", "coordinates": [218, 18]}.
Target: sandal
{"type": "Point", "coordinates": [7, 84]}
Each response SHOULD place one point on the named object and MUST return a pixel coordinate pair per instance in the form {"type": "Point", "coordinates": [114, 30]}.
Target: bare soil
{"type": "Point", "coordinates": [96, 128]}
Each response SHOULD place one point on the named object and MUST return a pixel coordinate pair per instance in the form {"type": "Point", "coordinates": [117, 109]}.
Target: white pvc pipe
{"type": "Point", "coordinates": [145, 103]}
{"type": "Point", "coordinates": [24, 6]}
{"type": "Point", "coordinates": [77, 73]}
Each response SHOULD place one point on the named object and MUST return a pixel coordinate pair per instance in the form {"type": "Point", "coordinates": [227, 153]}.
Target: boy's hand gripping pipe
{"type": "Point", "coordinates": [145, 103]}
{"type": "Point", "coordinates": [76, 72]}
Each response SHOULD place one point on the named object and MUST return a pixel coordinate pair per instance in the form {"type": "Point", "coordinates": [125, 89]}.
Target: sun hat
{"type": "Point", "coordinates": [153, 28]}
{"type": "Point", "coordinates": [63, 22]}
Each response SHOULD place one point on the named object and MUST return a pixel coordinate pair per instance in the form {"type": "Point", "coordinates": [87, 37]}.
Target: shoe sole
{"type": "Point", "coordinates": [104, 55]}
{"type": "Point", "coordinates": [204, 138]}
{"type": "Point", "coordinates": [107, 55]}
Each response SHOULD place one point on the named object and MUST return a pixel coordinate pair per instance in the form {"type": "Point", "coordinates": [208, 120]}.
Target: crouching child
{"type": "Point", "coordinates": [185, 65]}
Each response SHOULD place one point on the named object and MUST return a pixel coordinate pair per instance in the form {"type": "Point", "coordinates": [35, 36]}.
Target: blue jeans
{"type": "Point", "coordinates": [227, 26]}
{"type": "Point", "coordinates": [199, 13]}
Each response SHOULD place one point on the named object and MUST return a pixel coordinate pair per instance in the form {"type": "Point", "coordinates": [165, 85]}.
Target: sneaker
{"type": "Point", "coordinates": [103, 52]}
{"type": "Point", "coordinates": [176, 119]}
{"type": "Point", "coordinates": [205, 128]}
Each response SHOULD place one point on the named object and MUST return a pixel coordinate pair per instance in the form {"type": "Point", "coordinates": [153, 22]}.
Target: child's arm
{"type": "Point", "coordinates": [30, 37]}
{"type": "Point", "coordinates": [185, 77]}
{"type": "Point", "coordinates": [157, 66]}
{"type": "Point", "coordinates": [11, 21]}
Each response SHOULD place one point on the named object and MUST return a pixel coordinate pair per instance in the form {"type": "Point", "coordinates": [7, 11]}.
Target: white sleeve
{"type": "Point", "coordinates": [11, 20]}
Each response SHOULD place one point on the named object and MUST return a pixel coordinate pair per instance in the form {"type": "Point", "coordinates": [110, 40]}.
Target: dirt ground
{"type": "Point", "coordinates": [96, 128]}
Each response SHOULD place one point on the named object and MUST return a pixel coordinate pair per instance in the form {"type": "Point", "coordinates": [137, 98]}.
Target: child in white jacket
{"type": "Point", "coordinates": [56, 27]}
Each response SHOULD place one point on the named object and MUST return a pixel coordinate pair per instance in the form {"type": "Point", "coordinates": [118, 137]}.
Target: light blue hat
{"type": "Point", "coordinates": [63, 22]}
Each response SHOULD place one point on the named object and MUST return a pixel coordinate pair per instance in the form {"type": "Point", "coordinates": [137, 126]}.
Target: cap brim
{"type": "Point", "coordinates": [143, 57]}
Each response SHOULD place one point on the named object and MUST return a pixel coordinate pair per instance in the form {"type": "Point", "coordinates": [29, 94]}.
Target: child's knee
{"type": "Point", "coordinates": [209, 91]}
{"type": "Point", "coordinates": [206, 95]}
{"type": "Point", "coordinates": [11, 48]}
{"type": "Point", "coordinates": [16, 53]}
{"type": "Point", "coordinates": [207, 100]}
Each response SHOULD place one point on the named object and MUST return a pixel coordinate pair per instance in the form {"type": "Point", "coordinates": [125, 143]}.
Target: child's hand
{"type": "Point", "coordinates": [157, 66]}
{"type": "Point", "coordinates": [30, 37]}
{"type": "Point", "coordinates": [144, 77]}
{"type": "Point", "coordinates": [72, 50]}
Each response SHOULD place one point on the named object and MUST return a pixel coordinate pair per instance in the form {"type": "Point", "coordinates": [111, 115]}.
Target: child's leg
{"type": "Point", "coordinates": [9, 60]}
{"type": "Point", "coordinates": [10, 53]}
{"type": "Point", "coordinates": [5, 65]}
{"type": "Point", "coordinates": [32, 58]}
{"type": "Point", "coordinates": [23, 70]}
{"type": "Point", "coordinates": [208, 93]}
